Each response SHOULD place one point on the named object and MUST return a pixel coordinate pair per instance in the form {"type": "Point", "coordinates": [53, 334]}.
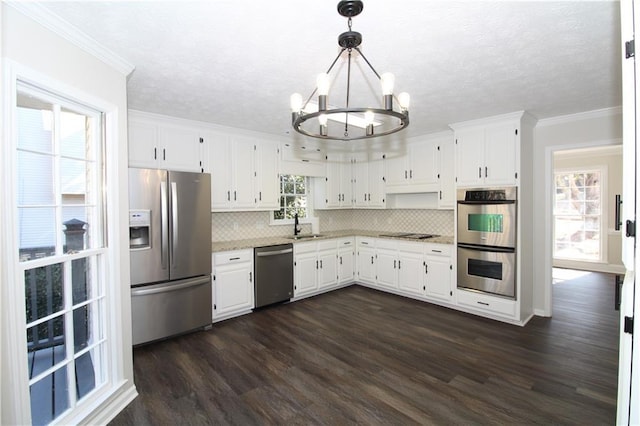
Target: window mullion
{"type": "Point", "coordinates": [57, 125]}
{"type": "Point", "coordinates": [69, 333]}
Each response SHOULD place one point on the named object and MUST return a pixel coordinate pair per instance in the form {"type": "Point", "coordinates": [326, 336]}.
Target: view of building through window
{"type": "Point", "coordinates": [293, 197]}
{"type": "Point", "coordinates": [578, 215]}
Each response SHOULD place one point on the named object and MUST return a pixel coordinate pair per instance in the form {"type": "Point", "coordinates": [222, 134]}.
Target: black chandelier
{"type": "Point", "coordinates": [310, 120]}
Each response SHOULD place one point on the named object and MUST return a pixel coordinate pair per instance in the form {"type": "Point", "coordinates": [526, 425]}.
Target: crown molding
{"type": "Point", "coordinates": [586, 115]}
{"type": "Point", "coordinates": [69, 32]}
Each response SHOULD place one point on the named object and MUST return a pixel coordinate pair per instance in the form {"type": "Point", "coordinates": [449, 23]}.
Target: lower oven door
{"type": "Point", "coordinates": [487, 269]}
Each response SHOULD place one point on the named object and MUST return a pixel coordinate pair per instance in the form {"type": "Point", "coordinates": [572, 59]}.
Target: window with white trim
{"type": "Point", "coordinates": [62, 249]}
{"type": "Point", "coordinates": [578, 216]}
{"type": "Point", "coordinates": [294, 199]}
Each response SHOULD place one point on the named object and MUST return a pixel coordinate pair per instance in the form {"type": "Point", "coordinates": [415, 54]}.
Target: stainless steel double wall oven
{"type": "Point", "coordinates": [487, 240]}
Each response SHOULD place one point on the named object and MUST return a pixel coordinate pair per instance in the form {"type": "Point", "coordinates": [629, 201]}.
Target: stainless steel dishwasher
{"type": "Point", "coordinates": [273, 270]}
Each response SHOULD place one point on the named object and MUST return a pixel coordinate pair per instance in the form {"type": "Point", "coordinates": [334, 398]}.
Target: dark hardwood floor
{"type": "Point", "coordinates": [357, 355]}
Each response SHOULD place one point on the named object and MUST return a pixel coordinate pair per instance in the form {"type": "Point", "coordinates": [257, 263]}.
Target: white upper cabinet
{"type": "Point", "coordinates": [487, 154]}
{"type": "Point", "coordinates": [446, 175]}
{"type": "Point", "coordinates": [244, 173]}
{"type": "Point", "coordinates": [155, 144]}
{"type": "Point", "coordinates": [368, 182]}
{"type": "Point", "coordinates": [335, 190]}
{"type": "Point", "coordinates": [416, 170]}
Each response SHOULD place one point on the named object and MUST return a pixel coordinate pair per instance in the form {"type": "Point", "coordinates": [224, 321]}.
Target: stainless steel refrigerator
{"type": "Point", "coordinates": [170, 251]}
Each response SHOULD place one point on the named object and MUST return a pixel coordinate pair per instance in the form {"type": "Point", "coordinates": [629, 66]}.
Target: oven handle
{"type": "Point", "coordinates": [493, 249]}
{"type": "Point", "coordinates": [487, 202]}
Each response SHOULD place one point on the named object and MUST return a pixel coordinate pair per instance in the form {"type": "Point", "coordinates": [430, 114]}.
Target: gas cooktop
{"type": "Point", "coordinates": [409, 235]}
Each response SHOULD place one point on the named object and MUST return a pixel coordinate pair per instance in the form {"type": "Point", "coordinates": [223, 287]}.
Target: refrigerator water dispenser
{"type": "Point", "coordinates": [139, 224]}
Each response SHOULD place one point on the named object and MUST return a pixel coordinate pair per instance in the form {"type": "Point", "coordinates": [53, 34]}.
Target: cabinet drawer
{"type": "Point", "coordinates": [366, 242]}
{"type": "Point", "coordinates": [229, 257]}
{"type": "Point", "coordinates": [439, 249]}
{"type": "Point", "coordinates": [487, 303]}
{"type": "Point", "coordinates": [304, 247]}
{"type": "Point", "coordinates": [327, 245]}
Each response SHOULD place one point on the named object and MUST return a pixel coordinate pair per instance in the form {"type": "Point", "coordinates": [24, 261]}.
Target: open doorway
{"type": "Point", "coordinates": [585, 182]}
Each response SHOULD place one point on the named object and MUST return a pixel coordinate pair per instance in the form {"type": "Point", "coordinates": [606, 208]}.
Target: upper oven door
{"type": "Point", "coordinates": [487, 223]}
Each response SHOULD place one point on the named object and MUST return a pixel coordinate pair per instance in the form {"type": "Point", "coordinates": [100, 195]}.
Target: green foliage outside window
{"type": "Point", "coordinates": [293, 197]}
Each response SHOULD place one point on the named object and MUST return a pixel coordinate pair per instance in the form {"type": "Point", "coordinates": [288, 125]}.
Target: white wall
{"type": "Point", "coordinates": [32, 51]}
{"type": "Point", "coordinates": [595, 128]}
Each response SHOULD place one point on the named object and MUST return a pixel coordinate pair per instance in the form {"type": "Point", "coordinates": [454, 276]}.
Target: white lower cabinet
{"type": "Point", "coordinates": [365, 255]}
{"type": "Point", "coordinates": [233, 293]}
{"type": "Point", "coordinates": [410, 264]}
{"type": "Point", "coordinates": [315, 267]}
{"type": "Point", "coordinates": [438, 272]}
{"type": "Point", "coordinates": [486, 303]}
{"type": "Point", "coordinates": [346, 260]}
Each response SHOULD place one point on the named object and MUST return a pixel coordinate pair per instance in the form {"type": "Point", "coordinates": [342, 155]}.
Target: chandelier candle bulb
{"type": "Point", "coordinates": [403, 100]}
{"type": "Point", "coordinates": [296, 102]}
{"type": "Point", "coordinates": [387, 80]}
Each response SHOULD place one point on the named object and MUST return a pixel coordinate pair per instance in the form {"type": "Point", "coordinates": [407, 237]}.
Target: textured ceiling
{"type": "Point", "coordinates": [235, 63]}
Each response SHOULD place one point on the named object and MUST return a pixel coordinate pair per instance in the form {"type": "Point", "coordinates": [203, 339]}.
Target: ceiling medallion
{"type": "Point", "coordinates": [359, 122]}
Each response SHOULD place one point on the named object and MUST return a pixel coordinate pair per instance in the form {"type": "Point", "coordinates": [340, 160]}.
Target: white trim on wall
{"type": "Point", "coordinates": [69, 32]}
{"type": "Point", "coordinates": [586, 115]}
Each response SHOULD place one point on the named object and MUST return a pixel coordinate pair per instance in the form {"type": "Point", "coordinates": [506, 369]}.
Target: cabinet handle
{"type": "Point", "coordinates": [483, 303]}
{"type": "Point", "coordinates": [426, 268]}
{"type": "Point", "coordinates": [399, 263]}
{"type": "Point", "coordinates": [479, 172]}
{"type": "Point", "coordinates": [164, 154]}
{"type": "Point", "coordinates": [321, 264]}
{"type": "Point", "coordinates": [441, 195]}
{"type": "Point", "coordinates": [155, 153]}
{"type": "Point", "coordinates": [618, 219]}
{"type": "Point", "coordinates": [394, 264]}
{"type": "Point", "coordinates": [228, 195]}
{"type": "Point", "coordinates": [234, 196]}
{"type": "Point", "coordinates": [436, 251]}
{"type": "Point", "coordinates": [486, 171]}
{"type": "Point", "coordinates": [234, 258]}
{"type": "Point", "coordinates": [341, 260]}
{"type": "Point", "coordinates": [364, 243]}
{"type": "Point", "coordinates": [405, 174]}
{"type": "Point", "coordinates": [316, 264]}
{"type": "Point", "coordinates": [369, 196]}
{"type": "Point", "coordinates": [260, 195]}
{"type": "Point", "coordinates": [372, 260]}
{"type": "Point", "coordinates": [410, 174]}
{"type": "Point", "coordinates": [365, 197]}
{"type": "Point", "coordinates": [250, 277]}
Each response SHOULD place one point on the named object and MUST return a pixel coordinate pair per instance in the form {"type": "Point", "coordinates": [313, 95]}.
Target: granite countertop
{"type": "Point", "coordinates": [218, 246]}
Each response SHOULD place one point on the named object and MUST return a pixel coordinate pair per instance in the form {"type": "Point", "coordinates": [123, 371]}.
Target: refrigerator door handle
{"type": "Point", "coordinates": [172, 286]}
{"type": "Point", "coordinates": [174, 217]}
{"type": "Point", "coordinates": [164, 226]}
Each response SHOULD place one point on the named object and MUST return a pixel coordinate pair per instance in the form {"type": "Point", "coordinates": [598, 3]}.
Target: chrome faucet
{"type": "Point", "coordinates": [296, 225]}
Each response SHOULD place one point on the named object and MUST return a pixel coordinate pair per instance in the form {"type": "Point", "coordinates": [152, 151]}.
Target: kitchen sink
{"type": "Point", "coordinates": [305, 237]}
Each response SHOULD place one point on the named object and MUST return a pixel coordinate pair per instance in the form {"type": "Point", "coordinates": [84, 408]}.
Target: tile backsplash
{"type": "Point", "coordinates": [243, 225]}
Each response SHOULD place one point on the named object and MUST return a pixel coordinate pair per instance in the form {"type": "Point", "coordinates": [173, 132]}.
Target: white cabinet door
{"type": "Point", "coordinates": [180, 148]}
{"type": "Point", "coordinates": [327, 269]}
{"type": "Point", "coordinates": [267, 182]}
{"type": "Point", "coordinates": [346, 183]}
{"type": "Point", "coordinates": [220, 167]}
{"type": "Point", "coordinates": [410, 272]}
{"type": "Point", "coordinates": [332, 182]}
{"type": "Point", "coordinates": [305, 274]}
{"type": "Point", "coordinates": [143, 144]}
{"type": "Point", "coordinates": [447, 193]}
{"type": "Point", "coordinates": [500, 155]}
{"type": "Point", "coordinates": [396, 170]}
{"type": "Point", "coordinates": [375, 182]}
{"type": "Point", "coordinates": [469, 156]}
{"type": "Point", "coordinates": [233, 288]}
{"type": "Point", "coordinates": [361, 183]}
{"type": "Point", "coordinates": [387, 268]}
{"type": "Point", "coordinates": [366, 264]}
{"type": "Point", "coordinates": [423, 164]}
{"type": "Point", "coordinates": [243, 167]}
{"type": "Point", "coordinates": [346, 259]}
{"type": "Point", "coordinates": [438, 277]}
